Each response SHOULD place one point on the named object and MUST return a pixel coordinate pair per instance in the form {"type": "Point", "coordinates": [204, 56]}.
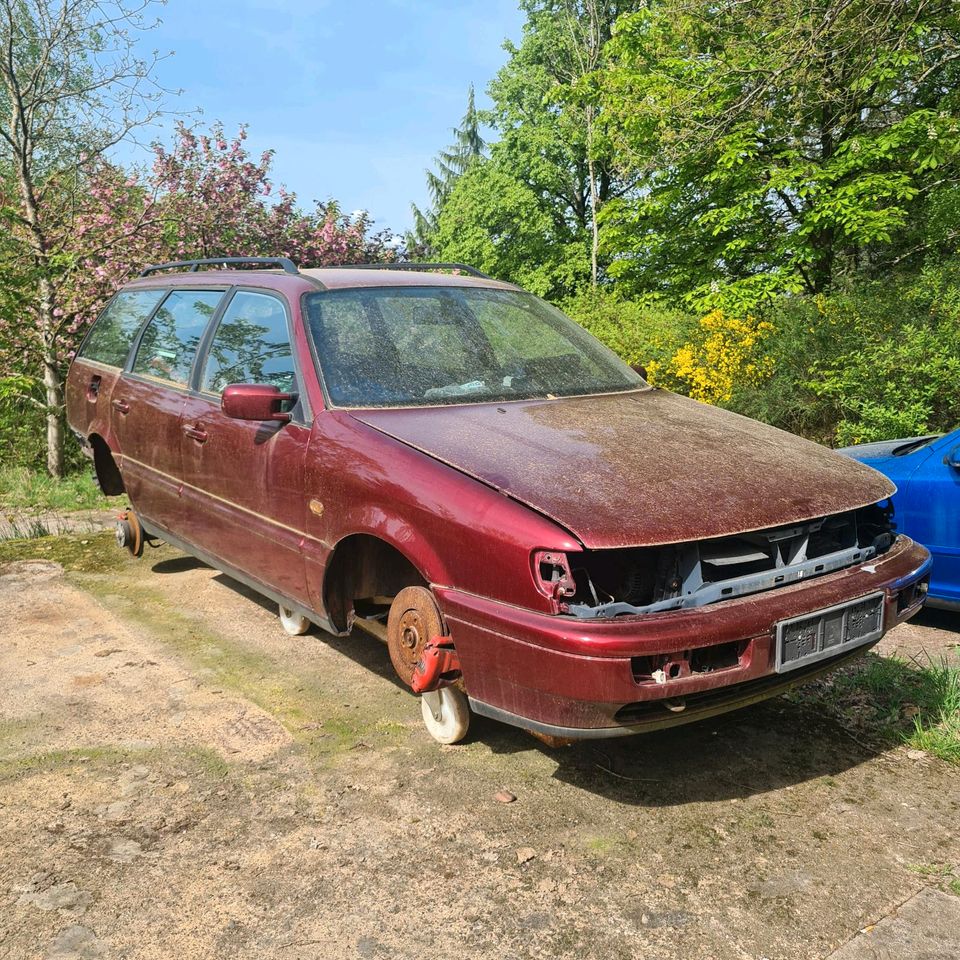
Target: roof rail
{"type": "Point", "coordinates": [288, 265]}
{"type": "Point", "coordinates": [405, 265]}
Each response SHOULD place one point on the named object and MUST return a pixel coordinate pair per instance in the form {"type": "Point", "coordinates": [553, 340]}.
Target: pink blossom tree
{"type": "Point", "coordinates": [205, 196]}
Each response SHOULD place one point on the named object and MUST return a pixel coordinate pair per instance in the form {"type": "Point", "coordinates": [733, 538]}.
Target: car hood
{"type": "Point", "coordinates": [885, 449]}
{"type": "Point", "coordinates": [640, 468]}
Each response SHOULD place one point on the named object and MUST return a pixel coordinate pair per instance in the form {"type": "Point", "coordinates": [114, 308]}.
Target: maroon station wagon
{"type": "Point", "coordinates": [452, 465]}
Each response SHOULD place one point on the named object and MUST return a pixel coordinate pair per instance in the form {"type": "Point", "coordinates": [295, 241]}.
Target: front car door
{"type": "Point", "coordinates": [148, 399]}
{"type": "Point", "coordinates": [243, 492]}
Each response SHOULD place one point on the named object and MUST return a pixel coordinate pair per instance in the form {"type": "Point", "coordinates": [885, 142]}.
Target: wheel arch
{"type": "Point", "coordinates": [105, 468]}
{"type": "Point", "coordinates": [365, 565]}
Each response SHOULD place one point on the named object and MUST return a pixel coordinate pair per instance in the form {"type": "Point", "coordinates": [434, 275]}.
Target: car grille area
{"type": "Point", "coordinates": [628, 582]}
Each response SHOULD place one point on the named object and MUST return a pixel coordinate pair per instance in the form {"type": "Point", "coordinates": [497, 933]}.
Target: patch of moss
{"type": "Point", "coordinates": [315, 720]}
{"type": "Point", "coordinates": [52, 760]}
{"type": "Point", "coordinates": [86, 553]}
{"type": "Point", "coordinates": [13, 728]}
{"type": "Point", "coordinates": [602, 846]}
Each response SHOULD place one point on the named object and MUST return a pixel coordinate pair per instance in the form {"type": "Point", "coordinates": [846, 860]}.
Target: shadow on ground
{"type": "Point", "coordinates": [939, 619]}
{"type": "Point", "coordinates": [753, 751]}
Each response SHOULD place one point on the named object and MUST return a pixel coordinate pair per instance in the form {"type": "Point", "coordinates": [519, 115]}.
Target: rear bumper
{"type": "Point", "coordinates": [601, 678]}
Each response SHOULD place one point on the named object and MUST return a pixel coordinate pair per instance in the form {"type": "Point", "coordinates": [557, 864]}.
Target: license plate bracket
{"type": "Point", "coordinates": [828, 632]}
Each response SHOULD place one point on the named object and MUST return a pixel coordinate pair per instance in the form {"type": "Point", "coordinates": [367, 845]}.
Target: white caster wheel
{"type": "Point", "coordinates": [446, 714]}
{"type": "Point", "coordinates": [292, 622]}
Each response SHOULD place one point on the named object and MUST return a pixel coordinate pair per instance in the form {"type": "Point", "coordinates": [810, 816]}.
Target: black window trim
{"type": "Point", "coordinates": [78, 355]}
{"type": "Point", "coordinates": [127, 371]}
{"type": "Point", "coordinates": [301, 413]}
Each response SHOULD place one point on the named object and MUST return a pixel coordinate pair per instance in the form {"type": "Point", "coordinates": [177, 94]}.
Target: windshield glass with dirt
{"type": "Point", "coordinates": [421, 346]}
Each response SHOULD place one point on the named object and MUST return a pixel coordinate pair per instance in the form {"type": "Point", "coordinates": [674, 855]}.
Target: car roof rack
{"type": "Point", "coordinates": [285, 263]}
{"type": "Point", "coordinates": [406, 265]}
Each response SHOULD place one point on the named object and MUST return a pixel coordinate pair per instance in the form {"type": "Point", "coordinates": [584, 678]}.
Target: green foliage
{"type": "Point", "coordinates": [873, 361]}
{"type": "Point", "coordinates": [451, 164]}
{"type": "Point", "coordinates": [781, 144]}
{"type": "Point", "coordinates": [551, 157]}
{"type": "Point", "coordinates": [494, 221]}
{"type": "Point", "coordinates": [26, 488]}
{"type": "Point", "coordinates": [646, 334]}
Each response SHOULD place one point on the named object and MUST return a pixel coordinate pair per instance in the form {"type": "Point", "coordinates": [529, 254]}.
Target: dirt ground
{"type": "Point", "coordinates": [180, 778]}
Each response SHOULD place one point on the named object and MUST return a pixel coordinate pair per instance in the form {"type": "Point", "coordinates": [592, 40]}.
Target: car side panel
{"type": "Point", "coordinates": [243, 493]}
{"type": "Point", "coordinates": [928, 511]}
{"type": "Point", "coordinates": [146, 422]}
{"type": "Point", "coordinates": [89, 388]}
{"type": "Point", "coordinates": [455, 530]}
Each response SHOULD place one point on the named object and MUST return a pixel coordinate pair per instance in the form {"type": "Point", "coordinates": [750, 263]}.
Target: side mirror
{"type": "Point", "coordinates": [640, 369]}
{"type": "Point", "coordinates": [952, 459]}
{"type": "Point", "coordinates": [254, 401]}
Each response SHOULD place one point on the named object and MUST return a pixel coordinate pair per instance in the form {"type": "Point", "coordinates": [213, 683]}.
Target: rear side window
{"type": "Point", "coordinates": [170, 341]}
{"type": "Point", "coordinates": [251, 345]}
{"type": "Point", "coordinates": [109, 340]}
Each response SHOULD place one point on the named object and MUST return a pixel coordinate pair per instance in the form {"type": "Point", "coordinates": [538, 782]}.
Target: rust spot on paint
{"type": "Point", "coordinates": [316, 507]}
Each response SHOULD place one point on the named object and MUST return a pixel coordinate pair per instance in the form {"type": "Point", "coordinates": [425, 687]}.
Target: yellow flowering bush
{"type": "Point", "coordinates": [725, 353]}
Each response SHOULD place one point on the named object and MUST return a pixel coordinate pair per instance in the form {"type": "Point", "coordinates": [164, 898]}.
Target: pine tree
{"type": "Point", "coordinates": [450, 164]}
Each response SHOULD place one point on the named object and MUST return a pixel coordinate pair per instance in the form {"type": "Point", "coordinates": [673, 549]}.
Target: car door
{"type": "Point", "coordinates": [243, 493]}
{"type": "Point", "coordinates": [930, 514]}
{"type": "Point", "coordinates": [147, 401]}
{"type": "Point", "coordinates": [102, 356]}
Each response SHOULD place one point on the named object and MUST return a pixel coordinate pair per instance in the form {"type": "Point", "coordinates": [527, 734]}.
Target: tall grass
{"type": "Point", "coordinates": [23, 488]}
{"type": "Point", "coordinates": [895, 700]}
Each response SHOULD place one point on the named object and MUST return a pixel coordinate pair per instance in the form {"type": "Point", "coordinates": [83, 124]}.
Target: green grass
{"type": "Point", "coordinates": [24, 489]}
{"type": "Point", "coordinates": [894, 700]}
{"type": "Point", "coordinates": [937, 726]}
{"type": "Point", "coordinates": [943, 873]}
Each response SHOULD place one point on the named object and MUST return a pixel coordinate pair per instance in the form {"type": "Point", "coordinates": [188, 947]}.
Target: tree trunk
{"type": "Point", "coordinates": [53, 386]}
{"type": "Point", "coordinates": [594, 201]}
{"type": "Point", "coordinates": [52, 381]}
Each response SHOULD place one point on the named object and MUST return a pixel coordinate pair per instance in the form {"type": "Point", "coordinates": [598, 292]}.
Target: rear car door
{"type": "Point", "coordinates": [243, 493]}
{"type": "Point", "coordinates": [148, 399]}
{"type": "Point", "coordinates": [102, 356]}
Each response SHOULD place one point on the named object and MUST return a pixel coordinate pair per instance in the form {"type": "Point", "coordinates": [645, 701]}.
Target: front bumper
{"type": "Point", "coordinates": [598, 678]}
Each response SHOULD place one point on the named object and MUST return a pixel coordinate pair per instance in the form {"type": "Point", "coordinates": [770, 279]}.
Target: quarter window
{"type": "Point", "coordinates": [109, 340]}
{"type": "Point", "coordinates": [170, 341]}
{"type": "Point", "coordinates": [251, 345]}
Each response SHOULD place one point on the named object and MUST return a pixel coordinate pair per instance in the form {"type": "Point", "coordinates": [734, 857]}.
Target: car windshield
{"type": "Point", "coordinates": [915, 443]}
{"type": "Point", "coordinates": [421, 346]}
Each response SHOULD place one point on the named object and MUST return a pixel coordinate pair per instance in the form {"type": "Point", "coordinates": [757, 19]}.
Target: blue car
{"type": "Point", "coordinates": [926, 505]}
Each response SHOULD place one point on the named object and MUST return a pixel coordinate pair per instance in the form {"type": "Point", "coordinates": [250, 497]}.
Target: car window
{"type": "Point", "coordinates": [415, 346]}
{"type": "Point", "coordinates": [170, 341]}
{"type": "Point", "coordinates": [251, 345]}
{"type": "Point", "coordinates": [110, 338]}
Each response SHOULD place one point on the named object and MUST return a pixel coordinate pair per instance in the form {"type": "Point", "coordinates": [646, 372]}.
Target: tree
{"type": "Point", "coordinates": [451, 164]}
{"type": "Point", "coordinates": [547, 109]}
{"type": "Point", "coordinates": [215, 200]}
{"type": "Point", "coordinates": [495, 222]}
{"type": "Point", "coordinates": [780, 144]}
{"type": "Point", "coordinates": [71, 87]}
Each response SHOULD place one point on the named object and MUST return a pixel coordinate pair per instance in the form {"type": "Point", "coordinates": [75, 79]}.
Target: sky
{"type": "Point", "coordinates": [354, 97]}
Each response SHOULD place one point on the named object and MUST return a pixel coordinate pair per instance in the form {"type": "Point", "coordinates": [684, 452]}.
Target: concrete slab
{"type": "Point", "coordinates": [926, 927]}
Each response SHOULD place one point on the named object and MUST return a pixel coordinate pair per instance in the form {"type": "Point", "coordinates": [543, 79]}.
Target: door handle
{"type": "Point", "coordinates": [121, 406]}
{"type": "Point", "coordinates": [196, 433]}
